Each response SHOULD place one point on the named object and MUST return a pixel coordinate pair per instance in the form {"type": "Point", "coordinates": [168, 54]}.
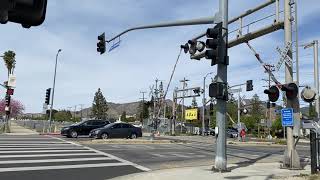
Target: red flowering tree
{"type": "Point", "coordinates": [17, 107]}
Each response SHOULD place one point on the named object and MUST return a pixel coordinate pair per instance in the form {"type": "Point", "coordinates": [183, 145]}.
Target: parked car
{"type": "Point", "coordinates": [82, 128]}
{"type": "Point", "coordinates": [117, 130]}
{"type": "Point", "coordinates": [232, 133]}
{"type": "Point", "coordinates": [207, 132]}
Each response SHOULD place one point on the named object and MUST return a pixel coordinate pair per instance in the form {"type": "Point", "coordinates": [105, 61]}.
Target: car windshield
{"type": "Point", "coordinates": [108, 125]}
{"type": "Point", "coordinates": [77, 124]}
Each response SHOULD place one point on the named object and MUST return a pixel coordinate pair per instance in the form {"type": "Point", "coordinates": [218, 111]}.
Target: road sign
{"type": "Point", "coordinates": [115, 45]}
{"type": "Point", "coordinates": [191, 114]}
{"type": "Point", "coordinates": [284, 56]}
{"type": "Point", "coordinates": [287, 117]}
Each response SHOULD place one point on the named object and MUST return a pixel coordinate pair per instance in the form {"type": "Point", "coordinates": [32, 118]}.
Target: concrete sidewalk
{"type": "Point", "coordinates": [15, 129]}
{"type": "Point", "coordinates": [257, 171]}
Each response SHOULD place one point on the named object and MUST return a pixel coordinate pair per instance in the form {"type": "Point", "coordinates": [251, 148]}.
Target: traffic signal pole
{"type": "Point", "coordinates": [221, 155]}
{"type": "Point", "coordinates": [291, 157]}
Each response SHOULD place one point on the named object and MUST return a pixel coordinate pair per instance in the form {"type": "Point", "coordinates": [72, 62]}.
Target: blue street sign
{"type": "Point", "coordinates": [287, 117]}
{"type": "Point", "coordinates": [115, 45]}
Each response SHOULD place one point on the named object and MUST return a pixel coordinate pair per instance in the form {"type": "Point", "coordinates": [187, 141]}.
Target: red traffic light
{"type": "Point", "coordinates": [10, 91]}
{"type": "Point", "coordinates": [291, 90]}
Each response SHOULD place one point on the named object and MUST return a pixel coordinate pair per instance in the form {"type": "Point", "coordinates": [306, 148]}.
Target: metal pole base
{"type": "Point", "coordinates": [214, 169]}
{"type": "Point", "coordinates": [292, 162]}
{"type": "Point", "coordinates": [220, 164]}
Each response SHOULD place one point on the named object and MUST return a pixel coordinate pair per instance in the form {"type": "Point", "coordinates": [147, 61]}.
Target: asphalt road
{"type": "Point", "coordinates": [161, 156]}
{"type": "Point", "coordinates": [48, 158]}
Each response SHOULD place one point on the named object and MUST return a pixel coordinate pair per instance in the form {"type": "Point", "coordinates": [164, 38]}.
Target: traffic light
{"type": "Point", "coordinates": [25, 12]}
{"type": "Point", "coordinates": [196, 91]}
{"type": "Point", "coordinates": [273, 93]}
{"type": "Point", "coordinates": [101, 45]}
{"type": "Point", "coordinates": [211, 109]}
{"type": "Point", "coordinates": [218, 90]}
{"type": "Point", "coordinates": [249, 85]}
{"type": "Point", "coordinates": [48, 92]}
{"type": "Point", "coordinates": [213, 43]}
{"type": "Point", "coordinates": [7, 99]}
{"type": "Point", "coordinates": [185, 48]}
{"type": "Point", "coordinates": [291, 90]}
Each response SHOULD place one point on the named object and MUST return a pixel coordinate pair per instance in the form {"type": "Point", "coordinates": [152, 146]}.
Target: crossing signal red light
{"type": "Point", "coordinates": [273, 93]}
{"type": "Point", "coordinates": [291, 90]}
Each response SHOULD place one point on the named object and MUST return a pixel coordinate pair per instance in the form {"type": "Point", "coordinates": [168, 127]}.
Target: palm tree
{"type": "Point", "coordinates": [9, 59]}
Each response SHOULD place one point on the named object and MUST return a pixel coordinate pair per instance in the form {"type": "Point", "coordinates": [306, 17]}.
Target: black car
{"type": "Point", "coordinates": [117, 130]}
{"type": "Point", "coordinates": [82, 128]}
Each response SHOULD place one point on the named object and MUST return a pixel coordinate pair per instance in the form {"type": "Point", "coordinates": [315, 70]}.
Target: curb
{"type": "Point", "coordinates": [120, 141]}
{"type": "Point", "coordinates": [51, 134]}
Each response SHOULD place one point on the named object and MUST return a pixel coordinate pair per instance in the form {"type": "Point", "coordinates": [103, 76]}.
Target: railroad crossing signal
{"type": "Point", "coordinates": [273, 93]}
{"type": "Point", "coordinates": [291, 90]}
{"type": "Point", "coordinates": [284, 56]}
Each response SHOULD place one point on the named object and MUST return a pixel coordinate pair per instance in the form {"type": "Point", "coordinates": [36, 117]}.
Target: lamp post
{"type": "Point", "coordinates": [54, 83]}
{"type": "Point", "coordinates": [204, 101]}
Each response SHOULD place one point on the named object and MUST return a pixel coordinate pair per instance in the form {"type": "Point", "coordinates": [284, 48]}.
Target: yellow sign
{"type": "Point", "coordinates": [191, 114]}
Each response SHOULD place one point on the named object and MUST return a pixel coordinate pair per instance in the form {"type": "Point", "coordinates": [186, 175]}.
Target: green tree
{"type": "Point", "coordinates": [143, 111]}
{"type": "Point", "coordinates": [194, 103]}
{"type": "Point", "coordinates": [123, 117]}
{"type": "Point", "coordinates": [9, 58]}
{"type": "Point", "coordinates": [63, 115]}
{"type": "Point", "coordinates": [256, 114]}
{"type": "Point", "coordinates": [99, 106]}
{"type": "Point", "coordinates": [312, 111]}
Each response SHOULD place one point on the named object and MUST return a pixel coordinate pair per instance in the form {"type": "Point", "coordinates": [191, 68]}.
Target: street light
{"type": "Point", "coordinates": [204, 101]}
{"type": "Point", "coordinates": [54, 83]}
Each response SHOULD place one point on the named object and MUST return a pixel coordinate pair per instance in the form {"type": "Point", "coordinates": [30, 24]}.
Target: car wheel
{"type": "Point", "coordinates": [133, 136]}
{"type": "Point", "coordinates": [74, 134]}
{"type": "Point", "coordinates": [104, 136]}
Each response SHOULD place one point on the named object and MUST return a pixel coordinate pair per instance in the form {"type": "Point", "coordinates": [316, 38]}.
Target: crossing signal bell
{"type": "Point", "coordinates": [273, 93]}
{"type": "Point", "coordinates": [101, 45]}
{"type": "Point", "coordinates": [48, 92]}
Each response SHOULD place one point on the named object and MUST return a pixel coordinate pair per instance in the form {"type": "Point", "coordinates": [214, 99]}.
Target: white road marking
{"type": "Point", "coordinates": [40, 148]}
{"type": "Point", "coordinates": [49, 155]}
{"type": "Point", "coordinates": [31, 145]}
{"type": "Point", "coordinates": [62, 167]}
{"type": "Point", "coordinates": [41, 151]}
{"type": "Point", "coordinates": [54, 160]}
{"type": "Point", "coordinates": [31, 142]}
{"type": "Point", "coordinates": [111, 156]}
{"type": "Point", "coordinates": [159, 155]}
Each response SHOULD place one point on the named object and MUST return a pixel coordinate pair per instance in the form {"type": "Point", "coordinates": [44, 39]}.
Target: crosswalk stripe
{"type": "Point", "coordinates": [62, 167]}
{"type": "Point", "coordinates": [54, 160]}
{"type": "Point", "coordinates": [41, 151]}
{"type": "Point", "coordinates": [31, 145]}
{"type": "Point", "coordinates": [33, 142]}
{"type": "Point", "coordinates": [48, 155]}
{"type": "Point", "coordinates": [41, 148]}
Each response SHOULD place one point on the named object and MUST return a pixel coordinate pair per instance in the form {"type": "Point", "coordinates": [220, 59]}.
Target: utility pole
{"type": "Point", "coordinates": [269, 68]}
{"type": "Point", "coordinates": [174, 112]}
{"type": "Point", "coordinates": [291, 157]}
{"type": "Point", "coordinates": [81, 107]}
{"type": "Point", "coordinates": [75, 109]}
{"type": "Point", "coordinates": [184, 85]}
{"type": "Point", "coordinates": [143, 104]}
{"type": "Point", "coordinates": [221, 154]}
{"type": "Point", "coordinates": [204, 102]}
{"type": "Point", "coordinates": [239, 114]}
{"type": "Point", "coordinates": [315, 45]}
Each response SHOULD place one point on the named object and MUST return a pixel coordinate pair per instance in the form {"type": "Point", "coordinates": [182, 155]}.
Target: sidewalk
{"type": "Point", "coordinates": [15, 129]}
{"type": "Point", "coordinates": [258, 171]}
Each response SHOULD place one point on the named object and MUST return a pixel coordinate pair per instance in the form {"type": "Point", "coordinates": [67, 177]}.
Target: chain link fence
{"type": "Point", "coordinates": [42, 126]}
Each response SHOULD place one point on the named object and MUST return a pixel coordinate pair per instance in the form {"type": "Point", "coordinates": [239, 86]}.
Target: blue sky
{"type": "Point", "coordinates": [143, 56]}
